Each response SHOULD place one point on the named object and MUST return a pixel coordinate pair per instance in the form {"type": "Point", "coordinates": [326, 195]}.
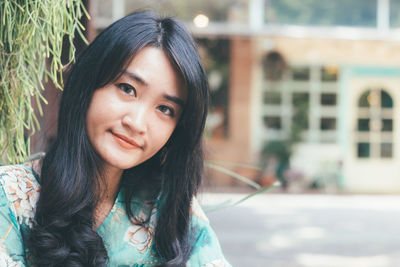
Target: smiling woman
{"type": "Point", "coordinates": [132, 118]}
{"type": "Point", "coordinates": [118, 186]}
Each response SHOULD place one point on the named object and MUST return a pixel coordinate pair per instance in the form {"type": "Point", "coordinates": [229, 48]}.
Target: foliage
{"type": "Point", "coordinates": [31, 38]}
{"type": "Point", "coordinates": [215, 55]}
{"type": "Point", "coordinates": [281, 150]}
{"type": "Point", "coordinates": [299, 121]}
{"type": "Point", "coordinates": [218, 166]}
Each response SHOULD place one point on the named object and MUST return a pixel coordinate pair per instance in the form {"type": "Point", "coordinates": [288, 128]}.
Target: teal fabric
{"type": "Point", "coordinates": [127, 243]}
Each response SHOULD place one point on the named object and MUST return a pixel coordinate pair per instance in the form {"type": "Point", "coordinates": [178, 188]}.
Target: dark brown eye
{"type": "Point", "coordinates": [127, 89]}
{"type": "Point", "coordinates": [167, 110]}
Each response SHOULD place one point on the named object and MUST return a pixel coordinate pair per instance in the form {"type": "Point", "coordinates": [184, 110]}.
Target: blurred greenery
{"type": "Point", "coordinates": [281, 150]}
{"type": "Point", "coordinates": [31, 39]}
{"type": "Point", "coordinates": [219, 166]}
{"type": "Point", "coordinates": [322, 12]}
{"type": "Point", "coordinates": [299, 119]}
{"type": "Point", "coordinates": [215, 55]}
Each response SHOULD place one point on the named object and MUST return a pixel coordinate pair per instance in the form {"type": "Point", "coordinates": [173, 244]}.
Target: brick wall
{"type": "Point", "coordinates": [236, 147]}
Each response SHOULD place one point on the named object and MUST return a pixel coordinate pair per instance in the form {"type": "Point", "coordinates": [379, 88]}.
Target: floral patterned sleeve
{"type": "Point", "coordinates": [18, 192]}
{"type": "Point", "coordinates": [207, 251]}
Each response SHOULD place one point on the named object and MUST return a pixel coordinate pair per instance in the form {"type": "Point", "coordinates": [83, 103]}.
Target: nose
{"type": "Point", "coordinates": [135, 120]}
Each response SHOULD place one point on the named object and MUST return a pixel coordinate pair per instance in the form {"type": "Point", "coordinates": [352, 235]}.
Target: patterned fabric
{"type": "Point", "coordinates": [128, 243]}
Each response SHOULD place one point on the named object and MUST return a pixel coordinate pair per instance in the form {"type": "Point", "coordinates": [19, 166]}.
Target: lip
{"type": "Point", "coordinates": [125, 141]}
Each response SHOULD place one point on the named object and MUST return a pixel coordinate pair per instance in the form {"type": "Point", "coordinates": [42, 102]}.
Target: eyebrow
{"type": "Point", "coordinates": [136, 78]}
{"type": "Point", "coordinates": [140, 80]}
{"type": "Point", "coordinates": [176, 100]}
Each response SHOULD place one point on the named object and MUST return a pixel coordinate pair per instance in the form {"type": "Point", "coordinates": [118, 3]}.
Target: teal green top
{"type": "Point", "coordinates": [127, 244]}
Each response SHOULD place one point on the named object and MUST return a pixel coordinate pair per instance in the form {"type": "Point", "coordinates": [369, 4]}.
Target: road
{"type": "Point", "coordinates": [278, 230]}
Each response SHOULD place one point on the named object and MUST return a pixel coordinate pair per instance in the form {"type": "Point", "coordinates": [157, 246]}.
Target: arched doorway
{"type": "Point", "coordinates": [374, 134]}
{"type": "Point", "coordinates": [371, 164]}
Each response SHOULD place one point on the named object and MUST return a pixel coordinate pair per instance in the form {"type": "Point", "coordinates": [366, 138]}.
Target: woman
{"type": "Point", "coordinates": [117, 187]}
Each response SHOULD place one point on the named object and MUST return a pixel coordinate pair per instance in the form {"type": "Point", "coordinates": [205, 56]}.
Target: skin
{"type": "Point", "coordinates": [131, 119]}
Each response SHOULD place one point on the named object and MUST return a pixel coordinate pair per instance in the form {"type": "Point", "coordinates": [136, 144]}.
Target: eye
{"type": "Point", "coordinates": [167, 110]}
{"type": "Point", "coordinates": [127, 89]}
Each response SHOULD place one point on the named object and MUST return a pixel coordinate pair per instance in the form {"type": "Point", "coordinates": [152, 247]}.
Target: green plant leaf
{"type": "Point", "coordinates": [31, 35]}
{"type": "Point", "coordinates": [230, 203]}
{"type": "Point", "coordinates": [233, 174]}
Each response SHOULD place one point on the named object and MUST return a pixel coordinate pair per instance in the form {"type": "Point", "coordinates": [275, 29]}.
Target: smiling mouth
{"type": "Point", "coordinates": [125, 142]}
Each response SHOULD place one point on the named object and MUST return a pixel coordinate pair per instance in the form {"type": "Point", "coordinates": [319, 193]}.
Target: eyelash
{"type": "Point", "coordinates": [127, 89]}
{"type": "Point", "coordinates": [171, 111]}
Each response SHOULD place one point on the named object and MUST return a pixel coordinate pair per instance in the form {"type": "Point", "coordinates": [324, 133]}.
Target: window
{"type": "Point", "coordinates": [329, 73]}
{"type": "Point", "coordinates": [363, 125]}
{"type": "Point", "coordinates": [386, 150]}
{"type": "Point", "coordinates": [363, 150]}
{"type": "Point", "coordinates": [328, 99]}
{"type": "Point", "coordinates": [386, 100]}
{"type": "Point", "coordinates": [300, 73]}
{"type": "Point", "coordinates": [218, 11]}
{"type": "Point", "coordinates": [364, 99]}
{"type": "Point", "coordinates": [300, 99]}
{"type": "Point", "coordinates": [374, 130]}
{"type": "Point", "coordinates": [274, 66]}
{"type": "Point", "coordinates": [387, 125]}
{"type": "Point", "coordinates": [361, 13]}
{"type": "Point", "coordinates": [286, 104]}
{"type": "Point", "coordinates": [272, 122]}
{"type": "Point", "coordinates": [394, 13]}
{"type": "Point", "coordinates": [273, 98]}
{"type": "Point", "coordinates": [328, 124]}
{"type": "Point", "coordinates": [300, 106]}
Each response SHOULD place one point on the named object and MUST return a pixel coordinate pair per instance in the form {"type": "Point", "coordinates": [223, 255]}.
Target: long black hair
{"type": "Point", "coordinates": [71, 172]}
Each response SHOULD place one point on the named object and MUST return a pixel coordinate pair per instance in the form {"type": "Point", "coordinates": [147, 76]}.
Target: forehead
{"type": "Point", "coordinates": [155, 71]}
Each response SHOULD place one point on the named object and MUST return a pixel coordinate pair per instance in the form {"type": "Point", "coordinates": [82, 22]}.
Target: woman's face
{"type": "Point", "coordinates": [132, 118]}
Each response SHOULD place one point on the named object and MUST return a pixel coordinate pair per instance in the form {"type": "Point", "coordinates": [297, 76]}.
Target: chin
{"type": "Point", "coordinates": [119, 163]}
{"type": "Point", "coordinates": [125, 166]}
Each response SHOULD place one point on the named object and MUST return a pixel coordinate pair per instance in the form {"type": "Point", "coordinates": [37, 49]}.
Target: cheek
{"type": "Point", "coordinates": [97, 122]}
{"type": "Point", "coordinates": [161, 134]}
{"type": "Point", "coordinates": [102, 111]}
{"type": "Point", "coordinates": [94, 119]}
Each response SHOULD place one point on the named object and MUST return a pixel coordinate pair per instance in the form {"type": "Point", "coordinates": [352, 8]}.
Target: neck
{"type": "Point", "coordinates": [108, 194]}
{"type": "Point", "coordinates": [110, 188]}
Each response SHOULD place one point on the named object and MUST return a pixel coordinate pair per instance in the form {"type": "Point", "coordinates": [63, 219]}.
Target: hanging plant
{"type": "Point", "coordinates": [31, 38]}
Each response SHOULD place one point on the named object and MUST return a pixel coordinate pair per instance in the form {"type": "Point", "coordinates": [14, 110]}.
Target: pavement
{"type": "Point", "coordinates": [287, 230]}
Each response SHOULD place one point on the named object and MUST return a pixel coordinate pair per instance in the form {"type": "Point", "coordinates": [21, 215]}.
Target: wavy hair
{"type": "Point", "coordinates": [71, 172]}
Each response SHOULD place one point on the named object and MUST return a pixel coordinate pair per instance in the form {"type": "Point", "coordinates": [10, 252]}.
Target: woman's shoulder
{"type": "Point", "coordinates": [206, 248]}
{"type": "Point", "coordinates": [197, 211]}
{"type": "Point", "coordinates": [18, 176]}
{"type": "Point", "coordinates": [20, 187]}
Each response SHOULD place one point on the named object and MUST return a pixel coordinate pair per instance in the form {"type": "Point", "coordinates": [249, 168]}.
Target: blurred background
{"type": "Point", "coordinates": [304, 93]}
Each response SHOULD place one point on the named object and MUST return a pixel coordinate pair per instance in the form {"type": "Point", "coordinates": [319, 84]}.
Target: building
{"type": "Point", "coordinates": [322, 76]}
{"type": "Point", "coordinates": [344, 74]}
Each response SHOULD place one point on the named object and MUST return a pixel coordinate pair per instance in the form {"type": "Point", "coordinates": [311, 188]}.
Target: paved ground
{"type": "Point", "coordinates": [277, 230]}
